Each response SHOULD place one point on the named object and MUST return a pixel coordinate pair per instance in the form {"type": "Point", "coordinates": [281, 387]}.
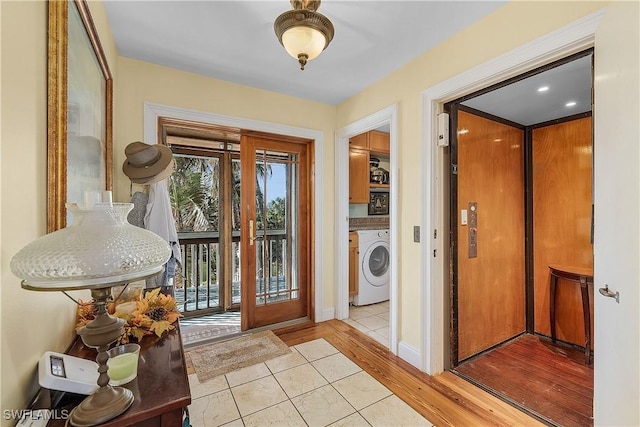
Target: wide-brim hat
{"type": "Point", "coordinates": [147, 164]}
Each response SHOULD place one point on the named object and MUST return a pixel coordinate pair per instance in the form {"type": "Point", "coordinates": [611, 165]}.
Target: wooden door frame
{"type": "Point", "coordinates": [153, 111]}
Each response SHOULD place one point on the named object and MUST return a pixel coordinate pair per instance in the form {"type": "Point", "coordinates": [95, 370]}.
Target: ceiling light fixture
{"type": "Point", "coordinates": [570, 104]}
{"type": "Point", "coordinates": [302, 31]}
{"type": "Point", "coordinates": [543, 88]}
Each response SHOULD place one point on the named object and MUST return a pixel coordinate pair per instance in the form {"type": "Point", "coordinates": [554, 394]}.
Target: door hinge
{"type": "Point", "coordinates": [454, 169]}
{"type": "Point", "coordinates": [435, 233]}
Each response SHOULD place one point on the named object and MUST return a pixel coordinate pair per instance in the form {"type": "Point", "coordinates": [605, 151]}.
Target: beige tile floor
{"type": "Point", "coordinates": [314, 385]}
{"type": "Point", "coordinates": [372, 319]}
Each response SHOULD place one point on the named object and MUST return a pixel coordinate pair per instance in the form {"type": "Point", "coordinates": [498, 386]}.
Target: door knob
{"type": "Point", "coordinates": [607, 293]}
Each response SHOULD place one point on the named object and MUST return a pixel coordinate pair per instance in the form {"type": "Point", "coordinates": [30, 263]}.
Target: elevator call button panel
{"type": "Point", "coordinates": [473, 229]}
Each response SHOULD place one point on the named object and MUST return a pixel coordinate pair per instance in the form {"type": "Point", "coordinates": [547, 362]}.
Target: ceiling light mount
{"type": "Point", "coordinates": [303, 31]}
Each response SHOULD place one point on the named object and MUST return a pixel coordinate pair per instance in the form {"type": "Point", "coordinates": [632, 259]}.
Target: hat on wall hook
{"type": "Point", "coordinates": [147, 164]}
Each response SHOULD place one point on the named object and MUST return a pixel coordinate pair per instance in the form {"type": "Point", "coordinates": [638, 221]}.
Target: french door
{"type": "Point", "coordinates": [242, 211]}
{"type": "Point", "coordinates": [275, 230]}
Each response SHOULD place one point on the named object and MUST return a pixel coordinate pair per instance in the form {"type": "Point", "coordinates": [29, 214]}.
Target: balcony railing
{"type": "Point", "coordinates": [201, 285]}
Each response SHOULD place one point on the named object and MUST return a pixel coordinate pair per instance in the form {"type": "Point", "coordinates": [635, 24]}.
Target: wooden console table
{"type": "Point", "coordinates": [584, 277]}
{"type": "Point", "coordinates": [161, 390]}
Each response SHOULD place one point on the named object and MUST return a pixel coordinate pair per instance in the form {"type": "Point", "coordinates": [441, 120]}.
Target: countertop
{"type": "Point", "coordinates": [369, 223]}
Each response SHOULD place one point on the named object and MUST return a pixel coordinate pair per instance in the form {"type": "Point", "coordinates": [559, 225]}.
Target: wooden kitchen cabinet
{"type": "Point", "coordinates": [353, 264]}
{"type": "Point", "coordinates": [360, 141]}
{"type": "Point", "coordinates": [379, 142]}
{"type": "Point", "coordinates": [358, 176]}
{"type": "Point", "coordinates": [374, 141]}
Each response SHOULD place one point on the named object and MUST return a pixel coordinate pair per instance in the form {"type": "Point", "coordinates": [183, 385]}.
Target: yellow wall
{"type": "Point", "coordinates": [508, 27]}
{"type": "Point", "coordinates": [32, 322]}
{"type": "Point", "coordinates": [48, 317]}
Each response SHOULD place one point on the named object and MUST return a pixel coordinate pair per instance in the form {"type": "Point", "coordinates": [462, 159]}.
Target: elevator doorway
{"type": "Point", "coordinates": [521, 201]}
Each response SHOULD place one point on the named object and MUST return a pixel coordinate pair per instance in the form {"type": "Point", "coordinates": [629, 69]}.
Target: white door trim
{"type": "Point", "coordinates": [388, 115]}
{"type": "Point", "coordinates": [152, 111]}
{"type": "Point", "coordinates": [572, 38]}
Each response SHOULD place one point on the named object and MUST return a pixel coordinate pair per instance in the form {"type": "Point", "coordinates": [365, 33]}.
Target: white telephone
{"type": "Point", "coordinates": [57, 371]}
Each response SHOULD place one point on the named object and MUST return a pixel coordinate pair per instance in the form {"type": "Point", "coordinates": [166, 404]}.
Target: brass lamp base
{"type": "Point", "coordinates": [104, 404]}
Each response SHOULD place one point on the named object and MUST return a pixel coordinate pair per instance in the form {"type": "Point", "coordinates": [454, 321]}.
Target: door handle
{"type": "Point", "coordinates": [252, 237]}
{"type": "Point", "coordinates": [609, 294]}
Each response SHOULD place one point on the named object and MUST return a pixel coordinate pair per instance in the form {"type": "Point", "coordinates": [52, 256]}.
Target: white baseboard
{"type": "Point", "coordinates": [409, 354]}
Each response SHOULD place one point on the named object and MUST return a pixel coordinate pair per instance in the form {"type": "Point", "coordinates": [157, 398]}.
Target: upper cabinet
{"type": "Point", "coordinates": [375, 141]}
{"type": "Point", "coordinates": [378, 142]}
{"type": "Point", "coordinates": [360, 141]}
{"type": "Point", "coordinates": [358, 175]}
{"type": "Point", "coordinates": [360, 149]}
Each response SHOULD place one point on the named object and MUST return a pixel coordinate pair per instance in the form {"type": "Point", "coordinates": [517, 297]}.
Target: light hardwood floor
{"type": "Point", "coordinates": [445, 399]}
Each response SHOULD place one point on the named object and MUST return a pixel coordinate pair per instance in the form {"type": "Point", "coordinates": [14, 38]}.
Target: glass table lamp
{"type": "Point", "coordinates": [100, 249]}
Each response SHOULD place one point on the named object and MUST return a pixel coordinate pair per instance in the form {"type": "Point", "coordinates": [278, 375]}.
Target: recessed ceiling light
{"type": "Point", "coordinates": [570, 104]}
{"type": "Point", "coordinates": [543, 88]}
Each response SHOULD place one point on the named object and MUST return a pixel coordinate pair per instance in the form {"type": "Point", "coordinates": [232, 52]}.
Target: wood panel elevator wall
{"type": "Point", "coordinates": [491, 287]}
{"type": "Point", "coordinates": [562, 198]}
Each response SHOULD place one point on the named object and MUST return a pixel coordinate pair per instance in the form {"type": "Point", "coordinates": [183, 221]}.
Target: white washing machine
{"type": "Point", "coordinates": [373, 261]}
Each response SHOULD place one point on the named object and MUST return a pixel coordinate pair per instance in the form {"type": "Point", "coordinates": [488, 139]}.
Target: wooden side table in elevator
{"type": "Point", "coordinates": [584, 277]}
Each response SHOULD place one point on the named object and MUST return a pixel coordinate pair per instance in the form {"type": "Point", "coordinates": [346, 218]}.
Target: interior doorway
{"type": "Point", "coordinates": [520, 207]}
{"type": "Point", "coordinates": [386, 118]}
{"type": "Point", "coordinates": [242, 204]}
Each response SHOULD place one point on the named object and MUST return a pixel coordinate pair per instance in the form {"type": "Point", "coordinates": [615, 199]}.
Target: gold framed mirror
{"type": "Point", "coordinates": [80, 97]}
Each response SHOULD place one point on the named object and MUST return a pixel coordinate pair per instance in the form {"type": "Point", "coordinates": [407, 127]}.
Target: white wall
{"type": "Point", "coordinates": [617, 209]}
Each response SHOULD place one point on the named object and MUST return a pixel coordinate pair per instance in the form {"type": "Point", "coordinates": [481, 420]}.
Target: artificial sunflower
{"type": "Point", "coordinates": [155, 314]}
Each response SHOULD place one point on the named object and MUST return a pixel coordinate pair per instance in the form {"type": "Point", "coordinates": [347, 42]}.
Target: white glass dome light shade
{"type": "Point", "coordinates": [99, 249]}
{"type": "Point", "coordinates": [303, 40]}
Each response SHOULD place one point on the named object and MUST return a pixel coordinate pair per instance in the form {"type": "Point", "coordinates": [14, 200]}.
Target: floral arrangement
{"type": "Point", "coordinates": [155, 314]}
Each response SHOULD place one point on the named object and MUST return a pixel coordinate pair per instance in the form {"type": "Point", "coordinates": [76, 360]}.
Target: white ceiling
{"type": "Point", "coordinates": [235, 41]}
{"type": "Point", "coordinates": [521, 102]}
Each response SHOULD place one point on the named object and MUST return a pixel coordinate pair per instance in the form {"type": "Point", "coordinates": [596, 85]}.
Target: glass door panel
{"type": "Point", "coordinates": [196, 201]}
{"type": "Point", "coordinates": [235, 231]}
{"type": "Point", "coordinates": [276, 213]}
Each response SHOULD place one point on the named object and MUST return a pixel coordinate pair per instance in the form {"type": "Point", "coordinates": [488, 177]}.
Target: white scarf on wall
{"type": "Point", "coordinates": [159, 218]}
